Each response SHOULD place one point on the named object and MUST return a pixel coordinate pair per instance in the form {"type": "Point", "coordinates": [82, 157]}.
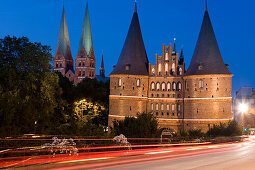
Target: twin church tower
{"type": "Point", "coordinates": [85, 61]}
{"type": "Point", "coordinates": [194, 99]}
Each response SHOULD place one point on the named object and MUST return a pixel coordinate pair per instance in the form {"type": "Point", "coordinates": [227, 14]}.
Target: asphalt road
{"type": "Point", "coordinates": [237, 156]}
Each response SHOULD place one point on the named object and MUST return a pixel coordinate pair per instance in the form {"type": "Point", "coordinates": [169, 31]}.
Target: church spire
{"type": "Point", "coordinates": [102, 71]}
{"type": "Point", "coordinates": [86, 36]}
{"type": "Point", "coordinates": [63, 43]}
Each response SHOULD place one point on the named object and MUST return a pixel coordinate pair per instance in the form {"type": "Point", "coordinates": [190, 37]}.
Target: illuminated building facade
{"type": "Point", "coordinates": [180, 99]}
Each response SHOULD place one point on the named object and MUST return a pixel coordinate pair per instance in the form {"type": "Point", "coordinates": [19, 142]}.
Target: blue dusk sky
{"type": "Point", "coordinates": [161, 21]}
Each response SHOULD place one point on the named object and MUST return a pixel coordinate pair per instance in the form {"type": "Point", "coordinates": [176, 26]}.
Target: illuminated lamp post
{"type": "Point", "coordinates": [243, 108]}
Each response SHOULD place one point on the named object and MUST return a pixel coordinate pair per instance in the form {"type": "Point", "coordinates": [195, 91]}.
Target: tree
{"type": "Point", "coordinates": [28, 88]}
{"type": "Point", "coordinates": [144, 126]}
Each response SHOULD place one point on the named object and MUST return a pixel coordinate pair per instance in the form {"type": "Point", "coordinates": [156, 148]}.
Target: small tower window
{"type": "Point", "coordinates": [159, 67]}
{"type": "Point", "coordinates": [167, 107]}
{"type": "Point", "coordinates": [153, 71]}
{"type": "Point", "coordinates": [174, 86]}
{"type": "Point", "coordinates": [178, 107]}
{"type": "Point", "coordinates": [173, 67]}
{"type": "Point", "coordinates": [138, 83]}
{"type": "Point", "coordinates": [180, 71]}
{"type": "Point", "coordinates": [166, 58]}
{"type": "Point", "coordinates": [152, 106]}
{"type": "Point", "coordinates": [166, 68]}
{"type": "Point", "coordinates": [168, 86]}
{"type": "Point", "coordinates": [201, 84]}
{"type": "Point", "coordinates": [173, 107]}
{"type": "Point", "coordinates": [119, 82]}
{"type": "Point", "coordinates": [56, 65]}
{"type": "Point", "coordinates": [152, 86]}
{"type": "Point", "coordinates": [162, 107]}
{"type": "Point", "coordinates": [164, 86]}
{"type": "Point", "coordinates": [157, 106]}
{"type": "Point", "coordinates": [179, 86]}
{"type": "Point", "coordinates": [158, 86]}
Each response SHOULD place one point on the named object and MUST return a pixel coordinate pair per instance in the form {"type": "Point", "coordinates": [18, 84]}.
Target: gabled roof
{"type": "Point", "coordinates": [86, 36]}
{"type": "Point", "coordinates": [207, 58]}
{"type": "Point", "coordinates": [133, 54]}
{"type": "Point", "coordinates": [63, 38]}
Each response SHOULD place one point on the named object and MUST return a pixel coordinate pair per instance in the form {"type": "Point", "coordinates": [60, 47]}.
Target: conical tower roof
{"type": "Point", "coordinates": [63, 38]}
{"type": "Point", "coordinates": [86, 36]}
{"type": "Point", "coordinates": [207, 58]}
{"type": "Point", "coordinates": [133, 54]}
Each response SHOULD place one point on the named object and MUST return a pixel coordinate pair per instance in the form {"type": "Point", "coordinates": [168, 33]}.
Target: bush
{"type": "Point", "coordinates": [144, 126]}
{"type": "Point", "coordinates": [230, 129]}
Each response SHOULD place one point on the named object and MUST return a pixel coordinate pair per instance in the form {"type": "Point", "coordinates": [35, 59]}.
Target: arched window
{"type": "Point", "coordinates": [119, 82]}
{"type": "Point", "coordinates": [153, 71]}
{"type": "Point", "coordinates": [173, 107]}
{"type": "Point", "coordinates": [180, 71]}
{"type": "Point", "coordinates": [174, 86]}
{"type": "Point", "coordinates": [57, 65]}
{"type": "Point", "coordinates": [201, 84]}
{"type": "Point", "coordinates": [179, 86]}
{"type": "Point", "coordinates": [158, 86]}
{"type": "Point", "coordinates": [163, 86]}
{"type": "Point", "coordinates": [166, 58]}
{"type": "Point", "coordinates": [162, 107]}
{"type": "Point", "coordinates": [153, 86]}
{"type": "Point", "coordinates": [152, 107]}
{"type": "Point", "coordinates": [157, 106]}
{"type": "Point", "coordinates": [138, 83]}
{"type": "Point", "coordinates": [173, 67]}
{"type": "Point", "coordinates": [168, 86]}
{"type": "Point", "coordinates": [159, 67]}
{"type": "Point", "coordinates": [167, 107]}
{"type": "Point", "coordinates": [166, 68]}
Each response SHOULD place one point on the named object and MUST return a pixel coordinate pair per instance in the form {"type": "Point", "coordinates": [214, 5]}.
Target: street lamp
{"type": "Point", "coordinates": [243, 108]}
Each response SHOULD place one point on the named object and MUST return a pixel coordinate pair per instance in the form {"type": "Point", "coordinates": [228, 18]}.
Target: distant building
{"type": "Point", "coordinates": [195, 99]}
{"type": "Point", "coordinates": [85, 62]}
{"type": "Point", "coordinates": [245, 95]}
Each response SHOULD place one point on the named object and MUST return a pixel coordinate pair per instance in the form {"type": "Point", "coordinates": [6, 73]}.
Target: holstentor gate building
{"type": "Point", "coordinates": [180, 99]}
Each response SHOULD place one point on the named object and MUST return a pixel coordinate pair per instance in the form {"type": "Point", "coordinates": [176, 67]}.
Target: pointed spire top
{"type": "Point", "coordinates": [63, 37]}
{"type": "Point", "coordinates": [102, 61]}
{"type": "Point", "coordinates": [86, 36]}
{"type": "Point", "coordinates": [135, 6]}
{"type": "Point", "coordinates": [182, 56]}
{"type": "Point", "coordinates": [206, 6]}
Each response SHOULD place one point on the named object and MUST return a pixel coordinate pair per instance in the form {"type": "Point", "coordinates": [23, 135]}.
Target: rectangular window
{"type": "Point", "coordinates": [119, 82]}
{"type": "Point", "coordinates": [152, 106]}
{"type": "Point", "coordinates": [173, 107]}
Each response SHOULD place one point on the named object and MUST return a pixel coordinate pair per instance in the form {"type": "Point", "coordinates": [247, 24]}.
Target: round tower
{"type": "Point", "coordinates": [129, 78]}
{"type": "Point", "coordinates": [208, 83]}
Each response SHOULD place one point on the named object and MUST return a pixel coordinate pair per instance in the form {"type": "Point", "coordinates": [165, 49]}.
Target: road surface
{"type": "Point", "coordinates": [232, 156]}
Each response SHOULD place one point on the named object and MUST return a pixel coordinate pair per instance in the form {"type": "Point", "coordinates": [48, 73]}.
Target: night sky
{"type": "Point", "coordinates": [161, 21]}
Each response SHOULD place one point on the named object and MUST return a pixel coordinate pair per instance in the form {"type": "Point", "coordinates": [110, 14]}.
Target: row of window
{"type": "Point", "coordinates": [168, 95]}
{"type": "Point", "coordinates": [165, 107]}
{"type": "Point", "coordinates": [167, 70]}
{"type": "Point", "coordinates": [138, 82]}
{"type": "Point", "coordinates": [91, 74]}
{"type": "Point", "coordinates": [166, 86]}
{"type": "Point", "coordinates": [162, 114]}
